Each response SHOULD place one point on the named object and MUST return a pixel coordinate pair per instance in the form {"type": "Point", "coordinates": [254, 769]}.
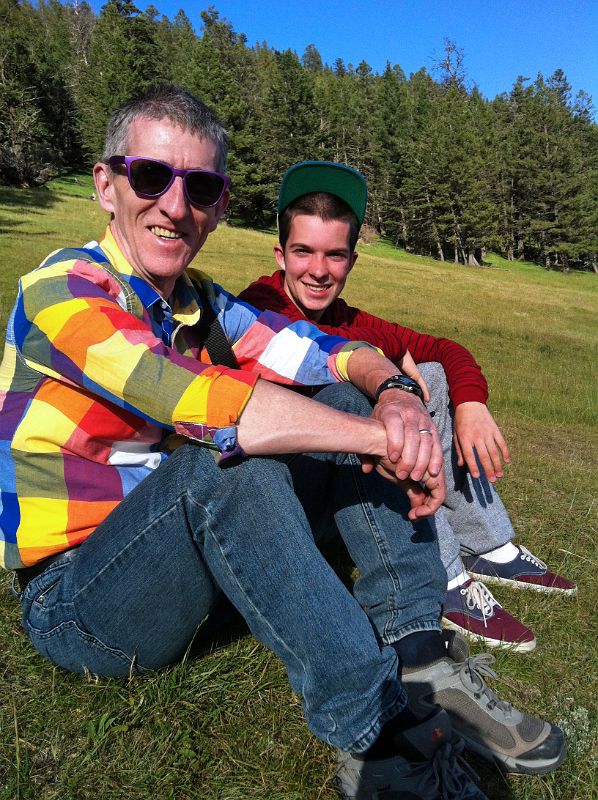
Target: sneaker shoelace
{"type": "Point", "coordinates": [472, 672]}
{"type": "Point", "coordinates": [527, 556]}
{"type": "Point", "coordinates": [454, 778]}
{"type": "Point", "coordinates": [447, 775]}
{"type": "Point", "coordinates": [477, 595]}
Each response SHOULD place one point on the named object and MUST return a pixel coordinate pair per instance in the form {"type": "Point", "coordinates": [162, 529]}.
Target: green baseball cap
{"type": "Point", "coordinates": [324, 176]}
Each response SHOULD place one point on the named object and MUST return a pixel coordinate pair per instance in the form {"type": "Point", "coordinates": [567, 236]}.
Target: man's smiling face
{"type": "Point", "coordinates": [317, 260]}
{"type": "Point", "coordinates": [160, 236]}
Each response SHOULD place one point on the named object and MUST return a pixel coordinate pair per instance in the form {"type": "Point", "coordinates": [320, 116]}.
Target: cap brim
{"type": "Point", "coordinates": [324, 176]}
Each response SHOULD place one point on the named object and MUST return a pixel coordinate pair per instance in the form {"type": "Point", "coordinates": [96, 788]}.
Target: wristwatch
{"type": "Point", "coordinates": [400, 382]}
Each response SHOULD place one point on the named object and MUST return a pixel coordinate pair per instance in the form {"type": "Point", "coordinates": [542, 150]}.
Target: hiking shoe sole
{"type": "Point", "coordinates": [531, 763]}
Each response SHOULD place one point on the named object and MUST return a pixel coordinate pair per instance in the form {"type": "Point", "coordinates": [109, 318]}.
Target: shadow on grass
{"type": "Point", "coordinates": [8, 227]}
{"type": "Point", "coordinates": [41, 197]}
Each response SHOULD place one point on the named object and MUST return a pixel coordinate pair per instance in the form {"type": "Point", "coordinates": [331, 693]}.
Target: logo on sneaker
{"type": "Point", "coordinates": [437, 735]}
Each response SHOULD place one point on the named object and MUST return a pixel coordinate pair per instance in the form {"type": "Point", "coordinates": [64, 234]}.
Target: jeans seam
{"type": "Point", "coordinates": [368, 737]}
{"type": "Point", "coordinates": [232, 574]}
{"type": "Point", "coordinates": [431, 624]}
{"type": "Point", "coordinates": [129, 544]}
{"type": "Point", "coordinates": [383, 551]}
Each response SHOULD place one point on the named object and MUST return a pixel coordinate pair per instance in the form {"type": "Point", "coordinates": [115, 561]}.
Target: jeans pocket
{"type": "Point", "coordinates": [43, 588]}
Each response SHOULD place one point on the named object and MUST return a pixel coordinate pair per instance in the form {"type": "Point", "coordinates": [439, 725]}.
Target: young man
{"type": "Point", "coordinates": [123, 536]}
{"type": "Point", "coordinates": [320, 210]}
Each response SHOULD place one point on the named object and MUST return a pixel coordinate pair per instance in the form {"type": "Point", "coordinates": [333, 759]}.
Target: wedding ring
{"type": "Point", "coordinates": [425, 430]}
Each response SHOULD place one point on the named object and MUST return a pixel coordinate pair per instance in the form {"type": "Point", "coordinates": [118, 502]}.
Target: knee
{"type": "Point", "coordinates": [434, 375]}
{"type": "Point", "coordinates": [345, 397]}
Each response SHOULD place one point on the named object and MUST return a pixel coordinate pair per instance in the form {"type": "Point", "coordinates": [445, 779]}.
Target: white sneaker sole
{"type": "Point", "coordinates": [479, 576]}
{"type": "Point", "coordinates": [514, 647]}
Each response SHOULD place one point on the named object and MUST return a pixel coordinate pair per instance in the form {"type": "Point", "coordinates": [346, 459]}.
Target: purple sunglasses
{"type": "Point", "coordinates": [150, 178]}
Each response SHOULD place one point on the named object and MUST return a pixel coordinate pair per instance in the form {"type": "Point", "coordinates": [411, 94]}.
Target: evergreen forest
{"type": "Point", "coordinates": [451, 173]}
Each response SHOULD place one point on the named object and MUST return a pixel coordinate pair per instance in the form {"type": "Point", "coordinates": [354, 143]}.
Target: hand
{"type": "Point", "coordinates": [425, 498]}
{"type": "Point", "coordinates": [413, 444]}
{"type": "Point", "coordinates": [408, 367]}
{"type": "Point", "coordinates": [474, 426]}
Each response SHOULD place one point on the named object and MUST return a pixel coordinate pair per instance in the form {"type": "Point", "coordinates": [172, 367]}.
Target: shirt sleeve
{"type": "Point", "coordinates": [293, 353]}
{"type": "Point", "coordinates": [465, 379]}
{"type": "Point", "coordinates": [70, 324]}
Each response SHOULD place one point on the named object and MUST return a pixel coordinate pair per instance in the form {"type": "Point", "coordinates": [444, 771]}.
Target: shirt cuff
{"type": "Point", "coordinates": [339, 369]}
{"type": "Point", "coordinates": [468, 394]}
{"type": "Point", "coordinates": [226, 441]}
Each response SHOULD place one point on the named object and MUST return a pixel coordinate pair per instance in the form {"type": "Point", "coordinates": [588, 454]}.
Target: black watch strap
{"type": "Point", "coordinates": [400, 382]}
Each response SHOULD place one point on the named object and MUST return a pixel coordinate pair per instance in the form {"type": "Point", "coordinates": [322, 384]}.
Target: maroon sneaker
{"type": "Point", "coordinates": [525, 571]}
{"type": "Point", "coordinates": [473, 611]}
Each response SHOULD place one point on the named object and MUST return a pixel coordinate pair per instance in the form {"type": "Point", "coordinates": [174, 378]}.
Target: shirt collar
{"type": "Point", "coordinates": [186, 303]}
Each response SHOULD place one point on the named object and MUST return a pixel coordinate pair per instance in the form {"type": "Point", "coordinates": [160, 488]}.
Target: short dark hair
{"type": "Point", "coordinates": [178, 106]}
{"type": "Point", "coordinates": [326, 206]}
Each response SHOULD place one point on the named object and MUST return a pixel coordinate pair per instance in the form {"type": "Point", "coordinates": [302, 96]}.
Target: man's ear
{"type": "Point", "coordinates": [279, 255]}
{"type": "Point", "coordinates": [103, 179]}
{"type": "Point", "coordinates": [219, 210]}
{"type": "Point", "coordinates": [352, 261]}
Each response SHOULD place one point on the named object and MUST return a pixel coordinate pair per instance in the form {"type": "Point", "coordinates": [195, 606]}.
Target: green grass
{"type": "Point", "coordinates": [224, 725]}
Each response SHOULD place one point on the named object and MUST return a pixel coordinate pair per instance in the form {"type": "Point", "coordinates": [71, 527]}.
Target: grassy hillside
{"type": "Point", "coordinates": [224, 725]}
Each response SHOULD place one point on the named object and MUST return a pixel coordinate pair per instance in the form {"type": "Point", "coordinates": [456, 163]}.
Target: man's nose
{"type": "Point", "coordinates": [317, 266]}
{"type": "Point", "coordinates": [174, 202]}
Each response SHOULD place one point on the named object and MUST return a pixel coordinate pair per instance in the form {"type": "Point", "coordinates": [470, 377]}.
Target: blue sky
{"type": "Point", "coordinates": [501, 38]}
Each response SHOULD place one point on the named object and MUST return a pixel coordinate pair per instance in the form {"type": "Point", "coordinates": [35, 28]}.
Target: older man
{"type": "Point", "coordinates": [123, 529]}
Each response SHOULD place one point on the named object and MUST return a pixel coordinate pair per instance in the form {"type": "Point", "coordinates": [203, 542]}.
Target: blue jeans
{"type": "Point", "coordinates": [131, 597]}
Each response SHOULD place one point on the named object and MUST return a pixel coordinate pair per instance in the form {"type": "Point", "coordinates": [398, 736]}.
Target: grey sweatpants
{"type": "Point", "coordinates": [473, 519]}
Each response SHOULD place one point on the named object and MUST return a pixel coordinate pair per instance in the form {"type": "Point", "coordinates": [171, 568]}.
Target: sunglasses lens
{"type": "Point", "coordinates": [204, 188]}
{"type": "Point", "coordinates": [149, 177]}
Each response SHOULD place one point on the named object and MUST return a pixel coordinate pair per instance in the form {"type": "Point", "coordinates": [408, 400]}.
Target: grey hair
{"type": "Point", "coordinates": [179, 107]}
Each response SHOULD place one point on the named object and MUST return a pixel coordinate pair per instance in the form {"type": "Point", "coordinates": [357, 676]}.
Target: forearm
{"type": "Point", "coordinates": [367, 369]}
{"type": "Point", "coordinates": [277, 420]}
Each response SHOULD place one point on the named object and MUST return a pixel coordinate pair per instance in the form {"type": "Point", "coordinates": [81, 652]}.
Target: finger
{"type": "Point", "coordinates": [470, 460]}
{"type": "Point", "coordinates": [367, 463]}
{"type": "Point", "coordinates": [460, 459]}
{"type": "Point", "coordinates": [410, 451]}
{"type": "Point", "coordinates": [426, 442]}
{"type": "Point", "coordinates": [495, 456]}
{"type": "Point", "coordinates": [416, 494]}
{"type": "Point", "coordinates": [430, 505]}
{"type": "Point", "coordinates": [487, 462]}
{"type": "Point", "coordinates": [436, 462]}
{"type": "Point", "coordinates": [498, 437]}
{"type": "Point", "coordinates": [425, 389]}
{"type": "Point", "coordinates": [395, 436]}
{"type": "Point", "coordinates": [387, 474]}
{"type": "Point", "coordinates": [416, 375]}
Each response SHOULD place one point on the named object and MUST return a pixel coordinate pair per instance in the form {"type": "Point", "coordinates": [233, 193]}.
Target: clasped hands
{"type": "Point", "coordinates": [414, 454]}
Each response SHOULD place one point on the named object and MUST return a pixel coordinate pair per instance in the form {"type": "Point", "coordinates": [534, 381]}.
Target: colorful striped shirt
{"type": "Point", "coordinates": [99, 372]}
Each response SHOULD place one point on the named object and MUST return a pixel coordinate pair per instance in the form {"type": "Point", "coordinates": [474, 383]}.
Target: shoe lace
{"type": "Point", "coordinates": [472, 672]}
{"type": "Point", "coordinates": [454, 778]}
{"type": "Point", "coordinates": [527, 556]}
{"type": "Point", "coordinates": [479, 596]}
